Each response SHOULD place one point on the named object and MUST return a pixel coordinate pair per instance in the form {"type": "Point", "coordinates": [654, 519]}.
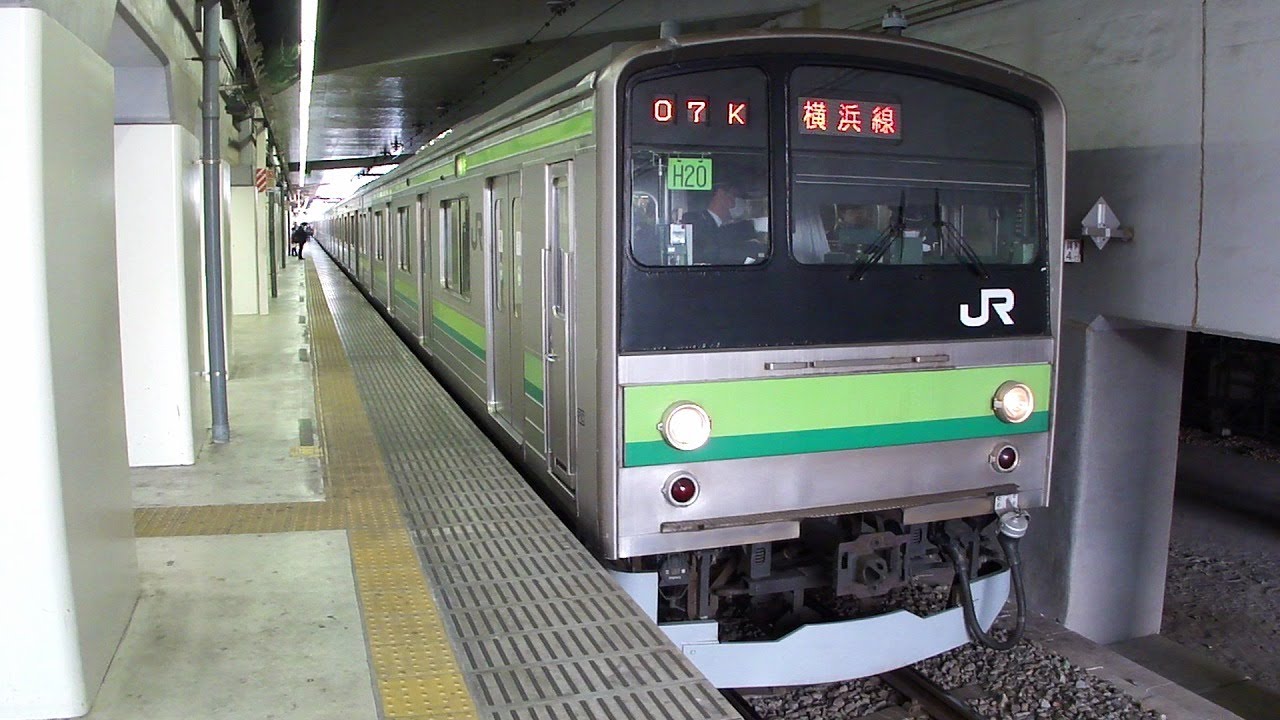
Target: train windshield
{"type": "Point", "coordinates": [889, 169]}
{"type": "Point", "coordinates": [699, 169]}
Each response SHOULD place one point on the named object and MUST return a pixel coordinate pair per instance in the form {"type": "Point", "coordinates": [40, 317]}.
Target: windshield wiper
{"type": "Point", "coordinates": [896, 231]}
{"type": "Point", "coordinates": [950, 236]}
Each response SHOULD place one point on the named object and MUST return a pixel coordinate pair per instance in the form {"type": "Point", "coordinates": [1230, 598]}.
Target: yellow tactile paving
{"type": "Point", "coordinates": [414, 668]}
{"type": "Point", "coordinates": [239, 519]}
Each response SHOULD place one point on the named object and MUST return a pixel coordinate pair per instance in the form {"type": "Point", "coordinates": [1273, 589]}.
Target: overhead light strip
{"type": "Point", "coordinates": [307, 53]}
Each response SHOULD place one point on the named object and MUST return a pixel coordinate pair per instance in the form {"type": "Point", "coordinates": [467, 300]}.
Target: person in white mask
{"type": "Point", "coordinates": [722, 233]}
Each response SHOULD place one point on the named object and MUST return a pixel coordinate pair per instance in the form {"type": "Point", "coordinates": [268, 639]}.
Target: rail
{"type": "Point", "coordinates": [940, 704]}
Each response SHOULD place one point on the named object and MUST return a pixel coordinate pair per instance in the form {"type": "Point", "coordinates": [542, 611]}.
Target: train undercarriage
{"type": "Point", "coordinates": [866, 592]}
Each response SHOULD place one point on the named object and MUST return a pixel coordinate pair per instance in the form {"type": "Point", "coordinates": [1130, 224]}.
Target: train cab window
{"type": "Point", "coordinates": [699, 168]}
{"type": "Point", "coordinates": [900, 170]}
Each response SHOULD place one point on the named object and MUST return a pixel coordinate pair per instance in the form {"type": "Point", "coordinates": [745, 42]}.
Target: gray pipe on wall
{"type": "Point", "coordinates": [211, 116]}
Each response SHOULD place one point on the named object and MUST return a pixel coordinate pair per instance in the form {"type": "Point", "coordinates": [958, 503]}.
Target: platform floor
{"type": "Point", "coordinates": [279, 601]}
{"type": "Point", "coordinates": [246, 610]}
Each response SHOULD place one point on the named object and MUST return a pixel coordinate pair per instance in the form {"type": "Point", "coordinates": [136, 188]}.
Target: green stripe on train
{"type": "Point", "coordinates": [468, 332]}
{"type": "Point", "coordinates": [439, 171]}
{"type": "Point", "coordinates": [849, 438]}
{"type": "Point", "coordinates": [533, 376]}
{"type": "Point", "coordinates": [407, 291]}
{"type": "Point", "coordinates": [755, 418]}
{"type": "Point", "coordinates": [572, 127]}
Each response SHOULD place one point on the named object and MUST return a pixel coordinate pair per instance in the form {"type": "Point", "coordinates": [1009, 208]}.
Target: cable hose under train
{"type": "Point", "coordinates": [1012, 557]}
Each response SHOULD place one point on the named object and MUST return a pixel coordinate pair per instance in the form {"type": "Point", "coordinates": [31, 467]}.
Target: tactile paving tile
{"type": "Point", "coordinates": [411, 655]}
{"type": "Point", "coordinates": [539, 629]}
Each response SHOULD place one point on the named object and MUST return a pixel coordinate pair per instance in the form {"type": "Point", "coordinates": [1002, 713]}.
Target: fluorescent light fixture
{"type": "Point", "coordinates": [307, 54]}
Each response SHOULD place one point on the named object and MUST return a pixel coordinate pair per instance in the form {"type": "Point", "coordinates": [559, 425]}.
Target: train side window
{"type": "Point", "coordinates": [455, 250]}
{"type": "Point", "coordinates": [379, 248]}
{"type": "Point", "coordinates": [500, 247]}
{"type": "Point", "coordinates": [560, 245]}
{"type": "Point", "coordinates": [518, 263]}
{"type": "Point", "coordinates": [402, 239]}
{"type": "Point", "coordinates": [423, 218]}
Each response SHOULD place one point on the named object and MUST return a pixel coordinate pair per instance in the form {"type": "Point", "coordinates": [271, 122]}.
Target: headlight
{"type": "Point", "coordinates": [685, 426]}
{"type": "Point", "coordinates": [1013, 402]}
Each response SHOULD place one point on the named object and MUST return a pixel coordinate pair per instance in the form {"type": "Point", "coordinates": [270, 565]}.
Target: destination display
{"type": "Point", "coordinates": [698, 110]}
{"type": "Point", "coordinates": [850, 118]}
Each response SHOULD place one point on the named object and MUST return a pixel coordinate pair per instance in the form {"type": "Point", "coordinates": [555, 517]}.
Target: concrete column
{"type": "Point", "coordinates": [158, 241]}
{"type": "Point", "coordinates": [1096, 557]}
{"type": "Point", "coordinates": [247, 248]}
{"type": "Point", "coordinates": [66, 523]}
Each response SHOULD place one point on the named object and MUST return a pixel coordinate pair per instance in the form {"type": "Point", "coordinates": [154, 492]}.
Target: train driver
{"type": "Point", "coordinates": [723, 234]}
{"type": "Point", "coordinates": [855, 230]}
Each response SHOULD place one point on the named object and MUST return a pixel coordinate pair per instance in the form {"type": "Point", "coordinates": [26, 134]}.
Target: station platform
{"type": "Point", "coordinates": [361, 550]}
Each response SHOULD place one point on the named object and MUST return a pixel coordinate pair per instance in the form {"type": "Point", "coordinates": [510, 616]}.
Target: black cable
{"type": "Point", "coordinates": [1014, 559]}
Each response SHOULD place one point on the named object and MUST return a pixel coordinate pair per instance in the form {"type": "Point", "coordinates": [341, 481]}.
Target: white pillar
{"type": "Point", "coordinates": [157, 255]}
{"type": "Point", "coordinates": [247, 270]}
{"type": "Point", "coordinates": [66, 523]}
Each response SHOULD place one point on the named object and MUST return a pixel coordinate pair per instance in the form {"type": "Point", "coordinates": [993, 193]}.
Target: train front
{"type": "Point", "coordinates": [836, 271]}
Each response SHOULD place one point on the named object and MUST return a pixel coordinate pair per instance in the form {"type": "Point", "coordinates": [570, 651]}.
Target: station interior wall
{"type": "Point", "coordinates": [1167, 107]}
{"type": "Point", "coordinates": [112, 269]}
{"type": "Point", "coordinates": [1167, 118]}
{"type": "Point", "coordinates": [67, 524]}
{"type": "Point", "coordinates": [1170, 118]}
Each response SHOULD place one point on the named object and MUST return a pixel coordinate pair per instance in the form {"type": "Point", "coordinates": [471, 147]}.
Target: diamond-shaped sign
{"type": "Point", "coordinates": [1100, 223]}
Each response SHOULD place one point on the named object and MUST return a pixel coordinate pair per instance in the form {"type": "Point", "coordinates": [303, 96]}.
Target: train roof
{"type": "Point", "coordinates": [573, 82]}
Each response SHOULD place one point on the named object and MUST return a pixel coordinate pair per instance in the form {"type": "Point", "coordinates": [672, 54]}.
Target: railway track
{"type": "Point", "coordinates": [932, 698]}
{"type": "Point", "coordinates": [940, 704]}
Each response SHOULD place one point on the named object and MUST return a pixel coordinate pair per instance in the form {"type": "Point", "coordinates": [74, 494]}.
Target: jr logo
{"type": "Point", "coordinates": [998, 299]}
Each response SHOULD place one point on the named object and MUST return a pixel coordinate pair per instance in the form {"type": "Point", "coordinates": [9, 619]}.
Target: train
{"type": "Point", "coordinates": [771, 317]}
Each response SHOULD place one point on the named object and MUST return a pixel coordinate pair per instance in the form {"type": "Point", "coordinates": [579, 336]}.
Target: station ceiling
{"type": "Point", "coordinates": [391, 74]}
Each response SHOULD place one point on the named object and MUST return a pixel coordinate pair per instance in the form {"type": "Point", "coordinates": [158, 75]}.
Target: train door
{"type": "Point", "coordinates": [557, 296]}
{"type": "Point", "coordinates": [378, 256]}
{"type": "Point", "coordinates": [506, 362]}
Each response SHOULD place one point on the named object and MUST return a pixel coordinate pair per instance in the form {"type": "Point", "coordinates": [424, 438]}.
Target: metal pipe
{"type": "Point", "coordinates": [271, 240]}
{"type": "Point", "coordinates": [285, 236]}
{"type": "Point", "coordinates": [211, 116]}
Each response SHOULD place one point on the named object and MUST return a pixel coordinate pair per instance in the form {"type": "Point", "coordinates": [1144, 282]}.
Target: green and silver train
{"type": "Point", "coordinates": [772, 316]}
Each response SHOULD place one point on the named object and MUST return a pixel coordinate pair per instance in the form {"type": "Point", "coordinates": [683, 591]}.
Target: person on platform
{"type": "Point", "coordinates": [298, 238]}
